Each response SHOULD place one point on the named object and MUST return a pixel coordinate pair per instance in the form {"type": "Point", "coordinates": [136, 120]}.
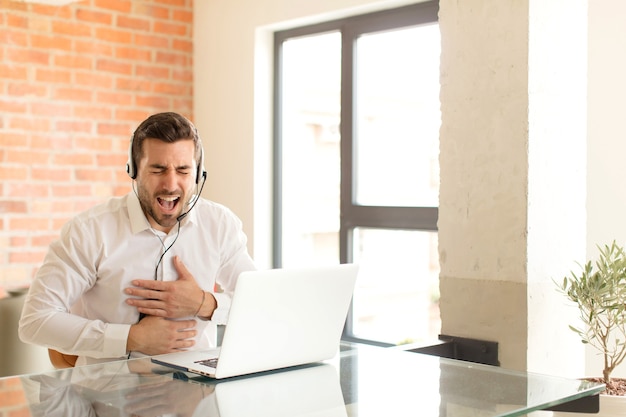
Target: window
{"type": "Point", "coordinates": [356, 163]}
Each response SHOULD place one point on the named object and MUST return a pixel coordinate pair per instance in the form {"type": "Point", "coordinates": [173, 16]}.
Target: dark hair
{"type": "Point", "coordinates": [167, 127]}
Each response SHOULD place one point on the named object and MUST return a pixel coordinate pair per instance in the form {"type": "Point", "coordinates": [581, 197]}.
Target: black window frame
{"type": "Point", "coordinates": [352, 215]}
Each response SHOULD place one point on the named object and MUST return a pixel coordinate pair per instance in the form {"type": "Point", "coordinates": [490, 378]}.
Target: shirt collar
{"type": "Point", "coordinates": [138, 220]}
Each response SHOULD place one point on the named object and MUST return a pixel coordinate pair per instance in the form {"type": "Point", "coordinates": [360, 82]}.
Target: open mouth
{"type": "Point", "coordinates": [168, 203]}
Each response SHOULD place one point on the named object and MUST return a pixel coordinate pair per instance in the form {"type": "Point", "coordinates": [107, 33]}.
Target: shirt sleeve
{"type": "Point", "coordinates": [68, 272]}
{"type": "Point", "coordinates": [235, 259]}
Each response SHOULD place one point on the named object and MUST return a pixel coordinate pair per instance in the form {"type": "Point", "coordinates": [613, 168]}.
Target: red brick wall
{"type": "Point", "coordinates": [75, 81]}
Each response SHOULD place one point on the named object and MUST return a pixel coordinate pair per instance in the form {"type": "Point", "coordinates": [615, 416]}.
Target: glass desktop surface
{"type": "Point", "coordinates": [359, 381]}
{"type": "Point", "coordinates": [398, 383]}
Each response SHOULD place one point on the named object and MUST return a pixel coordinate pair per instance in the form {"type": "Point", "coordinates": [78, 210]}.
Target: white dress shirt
{"type": "Point", "coordinates": [76, 303]}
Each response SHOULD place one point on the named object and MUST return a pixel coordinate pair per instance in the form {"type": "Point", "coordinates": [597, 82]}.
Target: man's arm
{"type": "Point", "coordinates": [64, 277]}
{"type": "Point", "coordinates": [68, 273]}
{"type": "Point", "coordinates": [172, 299]}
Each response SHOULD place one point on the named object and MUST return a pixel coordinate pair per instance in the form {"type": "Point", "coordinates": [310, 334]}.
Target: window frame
{"type": "Point", "coordinates": [352, 215]}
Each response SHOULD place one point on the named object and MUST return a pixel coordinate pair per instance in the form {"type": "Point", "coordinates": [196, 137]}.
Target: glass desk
{"type": "Point", "coordinates": [360, 381]}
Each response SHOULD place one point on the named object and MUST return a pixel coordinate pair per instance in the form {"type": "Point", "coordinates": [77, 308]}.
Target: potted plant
{"type": "Point", "coordinates": [599, 291]}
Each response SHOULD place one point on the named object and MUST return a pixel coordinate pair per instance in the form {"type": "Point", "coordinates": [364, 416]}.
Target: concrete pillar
{"type": "Point", "coordinates": [512, 196]}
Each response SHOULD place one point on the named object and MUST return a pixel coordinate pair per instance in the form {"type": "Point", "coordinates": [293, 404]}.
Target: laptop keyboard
{"type": "Point", "coordinates": [211, 363]}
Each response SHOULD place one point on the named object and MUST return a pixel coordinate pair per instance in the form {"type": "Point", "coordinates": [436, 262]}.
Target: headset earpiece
{"type": "Point", "coordinates": [200, 171]}
{"type": "Point", "coordinates": [131, 169]}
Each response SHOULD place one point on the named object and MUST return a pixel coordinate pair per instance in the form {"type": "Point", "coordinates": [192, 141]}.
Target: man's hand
{"type": "Point", "coordinates": [156, 335]}
{"type": "Point", "coordinates": [171, 299]}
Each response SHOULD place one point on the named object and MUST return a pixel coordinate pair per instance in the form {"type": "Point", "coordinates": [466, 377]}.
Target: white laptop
{"type": "Point", "coordinates": [278, 318]}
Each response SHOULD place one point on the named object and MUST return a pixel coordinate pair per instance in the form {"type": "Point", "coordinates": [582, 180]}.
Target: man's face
{"type": "Point", "coordinates": [165, 180]}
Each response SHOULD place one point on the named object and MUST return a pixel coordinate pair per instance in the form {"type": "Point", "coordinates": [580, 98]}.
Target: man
{"type": "Point", "coordinates": [137, 274]}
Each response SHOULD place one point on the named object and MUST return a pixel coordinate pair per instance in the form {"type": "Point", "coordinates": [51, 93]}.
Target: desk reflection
{"type": "Point", "coordinates": [138, 388]}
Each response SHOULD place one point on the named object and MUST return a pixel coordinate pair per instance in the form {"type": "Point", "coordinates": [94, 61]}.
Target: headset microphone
{"type": "Point", "coordinates": [195, 199]}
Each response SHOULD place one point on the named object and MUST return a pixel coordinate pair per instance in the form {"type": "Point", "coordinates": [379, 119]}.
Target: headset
{"type": "Point", "coordinates": [131, 167]}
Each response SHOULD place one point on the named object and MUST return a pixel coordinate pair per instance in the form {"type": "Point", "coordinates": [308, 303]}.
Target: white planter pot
{"type": "Point", "coordinates": [610, 406]}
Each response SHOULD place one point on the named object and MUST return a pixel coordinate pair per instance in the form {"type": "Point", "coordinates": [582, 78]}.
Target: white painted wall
{"type": "Point", "coordinates": [606, 175]}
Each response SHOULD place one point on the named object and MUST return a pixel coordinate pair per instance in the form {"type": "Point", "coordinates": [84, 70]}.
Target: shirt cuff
{"type": "Point", "coordinates": [220, 314]}
{"type": "Point", "coordinates": [115, 339]}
